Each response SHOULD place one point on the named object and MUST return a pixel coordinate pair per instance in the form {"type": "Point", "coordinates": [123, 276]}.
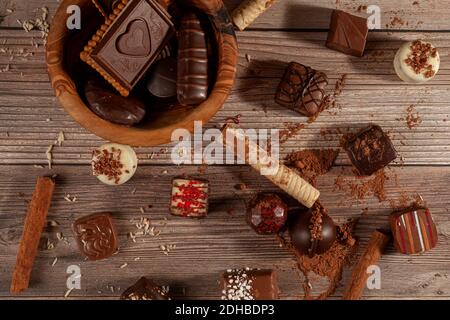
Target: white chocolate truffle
{"type": "Point", "coordinates": [114, 164]}
{"type": "Point", "coordinates": [417, 62]}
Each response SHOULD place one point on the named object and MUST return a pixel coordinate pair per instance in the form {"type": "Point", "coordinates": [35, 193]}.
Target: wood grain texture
{"type": "Point", "coordinates": [206, 247]}
{"type": "Point", "coordinates": [294, 14]}
{"type": "Point", "coordinates": [30, 116]}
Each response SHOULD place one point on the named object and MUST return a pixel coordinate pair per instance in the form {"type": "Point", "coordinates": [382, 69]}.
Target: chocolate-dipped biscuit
{"type": "Point", "coordinates": [111, 106]}
{"type": "Point", "coordinates": [96, 236]}
{"type": "Point", "coordinates": [162, 78]}
{"type": "Point", "coordinates": [414, 230]}
{"type": "Point", "coordinates": [302, 89]}
{"type": "Point", "coordinates": [192, 83]}
{"type": "Point", "coordinates": [267, 213]}
{"type": "Point", "coordinates": [313, 232]}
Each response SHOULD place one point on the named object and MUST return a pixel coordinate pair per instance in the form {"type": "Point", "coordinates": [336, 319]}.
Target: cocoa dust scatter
{"type": "Point", "coordinates": [359, 190]}
{"type": "Point", "coordinates": [291, 129]}
{"type": "Point", "coordinates": [312, 163]}
{"type": "Point", "coordinates": [413, 118]}
{"type": "Point", "coordinates": [362, 9]}
{"type": "Point", "coordinates": [340, 84]}
{"type": "Point", "coordinates": [329, 264]}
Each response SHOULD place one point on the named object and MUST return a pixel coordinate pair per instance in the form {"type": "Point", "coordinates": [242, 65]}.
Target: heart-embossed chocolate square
{"type": "Point", "coordinates": [136, 40]}
{"type": "Point", "coordinates": [129, 42]}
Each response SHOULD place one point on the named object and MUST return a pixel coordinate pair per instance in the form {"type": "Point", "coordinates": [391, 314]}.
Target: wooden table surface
{"type": "Point", "coordinates": [31, 118]}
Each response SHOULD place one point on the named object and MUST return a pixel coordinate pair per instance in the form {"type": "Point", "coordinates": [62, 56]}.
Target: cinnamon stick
{"type": "Point", "coordinates": [371, 256]}
{"type": "Point", "coordinates": [33, 227]}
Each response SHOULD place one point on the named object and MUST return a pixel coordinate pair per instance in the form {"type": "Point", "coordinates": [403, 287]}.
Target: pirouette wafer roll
{"type": "Point", "coordinates": [284, 177]}
{"type": "Point", "coordinates": [248, 11]}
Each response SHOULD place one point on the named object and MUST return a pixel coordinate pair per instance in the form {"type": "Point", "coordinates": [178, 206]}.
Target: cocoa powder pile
{"type": "Point", "coordinates": [312, 163]}
{"type": "Point", "coordinates": [329, 264]}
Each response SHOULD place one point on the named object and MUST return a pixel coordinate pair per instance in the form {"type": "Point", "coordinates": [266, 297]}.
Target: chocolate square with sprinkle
{"type": "Point", "coordinates": [189, 198]}
{"type": "Point", "coordinates": [302, 89]}
{"type": "Point", "coordinates": [370, 150]}
{"type": "Point", "coordinates": [249, 284]}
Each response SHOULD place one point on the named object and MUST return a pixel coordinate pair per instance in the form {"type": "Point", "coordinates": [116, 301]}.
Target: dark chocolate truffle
{"type": "Point", "coordinates": [267, 213]}
{"type": "Point", "coordinates": [162, 78]}
{"type": "Point", "coordinates": [313, 232]}
{"type": "Point", "coordinates": [111, 106]}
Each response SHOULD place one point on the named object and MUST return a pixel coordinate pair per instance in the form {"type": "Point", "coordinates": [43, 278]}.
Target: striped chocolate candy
{"type": "Point", "coordinates": [414, 230]}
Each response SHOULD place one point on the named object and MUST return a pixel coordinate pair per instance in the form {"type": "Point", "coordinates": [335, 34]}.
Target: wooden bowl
{"type": "Point", "coordinates": [64, 67]}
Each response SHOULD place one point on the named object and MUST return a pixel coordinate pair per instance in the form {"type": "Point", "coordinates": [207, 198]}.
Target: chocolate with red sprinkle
{"type": "Point", "coordinates": [189, 198]}
{"type": "Point", "coordinates": [267, 213]}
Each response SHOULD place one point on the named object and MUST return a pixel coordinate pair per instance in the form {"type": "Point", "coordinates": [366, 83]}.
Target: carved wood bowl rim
{"type": "Point", "coordinates": [66, 91]}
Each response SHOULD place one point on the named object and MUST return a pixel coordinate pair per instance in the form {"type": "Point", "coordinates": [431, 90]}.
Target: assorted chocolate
{"type": "Point", "coordinates": [267, 214]}
{"type": "Point", "coordinates": [249, 284]}
{"type": "Point", "coordinates": [96, 236]}
{"type": "Point", "coordinates": [348, 33]}
{"type": "Point", "coordinates": [414, 230]}
{"type": "Point", "coordinates": [137, 53]}
{"type": "Point", "coordinates": [313, 232]}
{"type": "Point", "coordinates": [302, 89]}
{"type": "Point", "coordinates": [370, 150]}
{"type": "Point", "coordinates": [145, 289]}
{"type": "Point", "coordinates": [189, 198]}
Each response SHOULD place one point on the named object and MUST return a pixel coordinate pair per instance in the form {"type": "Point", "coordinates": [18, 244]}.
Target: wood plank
{"type": "Point", "coordinates": [290, 14]}
{"type": "Point", "coordinates": [30, 116]}
{"type": "Point", "coordinates": [206, 247]}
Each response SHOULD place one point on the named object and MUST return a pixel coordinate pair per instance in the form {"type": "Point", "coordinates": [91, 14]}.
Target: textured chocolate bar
{"type": "Point", "coordinates": [128, 43]}
{"type": "Point", "coordinates": [189, 198]}
{"type": "Point", "coordinates": [96, 236]}
{"type": "Point", "coordinates": [414, 231]}
{"type": "Point", "coordinates": [348, 33]}
{"type": "Point", "coordinates": [144, 289]}
{"type": "Point", "coordinates": [192, 82]}
{"type": "Point", "coordinates": [370, 150]}
{"type": "Point", "coordinates": [302, 89]}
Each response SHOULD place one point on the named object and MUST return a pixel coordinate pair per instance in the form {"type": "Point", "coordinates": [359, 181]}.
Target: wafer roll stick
{"type": "Point", "coordinates": [284, 177]}
{"type": "Point", "coordinates": [32, 230]}
{"type": "Point", "coordinates": [248, 11]}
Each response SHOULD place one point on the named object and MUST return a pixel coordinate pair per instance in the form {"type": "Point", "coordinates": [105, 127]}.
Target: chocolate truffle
{"type": "Point", "coordinates": [267, 214]}
{"type": "Point", "coordinates": [249, 284]}
{"type": "Point", "coordinates": [113, 163]}
{"type": "Point", "coordinates": [348, 33]}
{"type": "Point", "coordinates": [417, 62]}
{"type": "Point", "coordinates": [302, 89]}
{"type": "Point", "coordinates": [313, 232]}
{"type": "Point", "coordinates": [162, 78]}
{"type": "Point", "coordinates": [414, 230]}
{"type": "Point", "coordinates": [96, 236]}
{"type": "Point", "coordinates": [370, 150]}
{"type": "Point", "coordinates": [189, 198]}
{"type": "Point", "coordinates": [111, 106]}
{"type": "Point", "coordinates": [144, 289]}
